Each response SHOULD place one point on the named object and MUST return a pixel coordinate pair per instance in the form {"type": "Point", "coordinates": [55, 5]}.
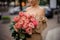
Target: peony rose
{"type": "Point", "coordinates": [25, 26]}
{"type": "Point", "coordinates": [26, 21]}
{"type": "Point", "coordinates": [29, 30]}
{"type": "Point", "coordinates": [18, 25]}
{"type": "Point", "coordinates": [21, 21]}
{"type": "Point", "coordinates": [23, 18]}
{"type": "Point", "coordinates": [21, 14]}
{"type": "Point", "coordinates": [31, 25]}
{"type": "Point", "coordinates": [16, 19]}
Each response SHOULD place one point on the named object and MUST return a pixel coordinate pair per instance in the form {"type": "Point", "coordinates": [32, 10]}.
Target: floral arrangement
{"type": "Point", "coordinates": [23, 24]}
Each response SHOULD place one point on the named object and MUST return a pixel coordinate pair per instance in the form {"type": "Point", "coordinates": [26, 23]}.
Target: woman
{"type": "Point", "coordinates": [39, 14]}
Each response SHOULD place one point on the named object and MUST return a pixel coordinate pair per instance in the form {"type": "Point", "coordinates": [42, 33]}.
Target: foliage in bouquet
{"type": "Point", "coordinates": [23, 23]}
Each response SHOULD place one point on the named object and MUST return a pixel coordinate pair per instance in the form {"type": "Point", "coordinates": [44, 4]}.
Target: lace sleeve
{"type": "Point", "coordinates": [43, 19]}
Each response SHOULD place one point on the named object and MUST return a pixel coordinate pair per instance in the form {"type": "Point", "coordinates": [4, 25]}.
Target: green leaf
{"type": "Point", "coordinates": [12, 31]}
{"type": "Point", "coordinates": [13, 23]}
{"type": "Point", "coordinates": [11, 26]}
{"type": "Point", "coordinates": [22, 36]}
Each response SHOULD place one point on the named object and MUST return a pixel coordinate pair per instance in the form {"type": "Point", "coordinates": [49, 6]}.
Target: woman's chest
{"type": "Point", "coordinates": [34, 12]}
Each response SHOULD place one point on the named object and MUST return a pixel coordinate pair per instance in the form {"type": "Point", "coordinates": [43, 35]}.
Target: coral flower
{"type": "Point", "coordinates": [18, 25]}
{"type": "Point", "coordinates": [21, 14]}
{"type": "Point", "coordinates": [31, 25]}
{"type": "Point", "coordinates": [29, 31]}
{"type": "Point", "coordinates": [25, 26]}
{"type": "Point", "coordinates": [16, 19]}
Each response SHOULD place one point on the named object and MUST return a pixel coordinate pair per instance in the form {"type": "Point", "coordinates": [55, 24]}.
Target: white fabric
{"type": "Point", "coordinates": [53, 34]}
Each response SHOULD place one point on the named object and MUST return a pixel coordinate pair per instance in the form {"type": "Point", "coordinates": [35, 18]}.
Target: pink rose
{"type": "Point", "coordinates": [26, 21]}
{"type": "Point", "coordinates": [31, 25]}
{"type": "Point", "coordinates": [29, 31]}
{"type": "Point", "coordinates": [25, 26]}
{"type": "Point", "coordinates": [21, 21]}
{"type": "Point", "coordinates": [16, 19]}
{"type": "Point", "coordinates": [18, 25]}
{"type": "Point", "coordinates": [23, 18]}
{"type": "Point", "coordinates": [21, 14]}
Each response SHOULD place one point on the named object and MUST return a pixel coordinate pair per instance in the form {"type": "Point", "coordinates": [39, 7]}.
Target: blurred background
{"type": "Point", "coordinates": [11, 8]}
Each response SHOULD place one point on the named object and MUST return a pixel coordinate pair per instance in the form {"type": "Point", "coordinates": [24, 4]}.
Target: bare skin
{"type": "Point", "coordinates": [35, 8]}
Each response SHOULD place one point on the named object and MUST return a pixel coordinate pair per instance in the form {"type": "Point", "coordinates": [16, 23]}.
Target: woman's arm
{"type": "Point", "coordinates": [42, 12]}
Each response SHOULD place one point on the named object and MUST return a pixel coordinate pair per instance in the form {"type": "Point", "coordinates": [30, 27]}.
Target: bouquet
{"type": "Point", "coordinates": [23, 23]}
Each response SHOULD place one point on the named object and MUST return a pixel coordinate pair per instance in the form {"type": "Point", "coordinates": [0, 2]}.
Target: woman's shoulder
{"type": "Point", "coordinates": [42, 11]}
{"type": "Point", "coordinates": [41, 8]}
